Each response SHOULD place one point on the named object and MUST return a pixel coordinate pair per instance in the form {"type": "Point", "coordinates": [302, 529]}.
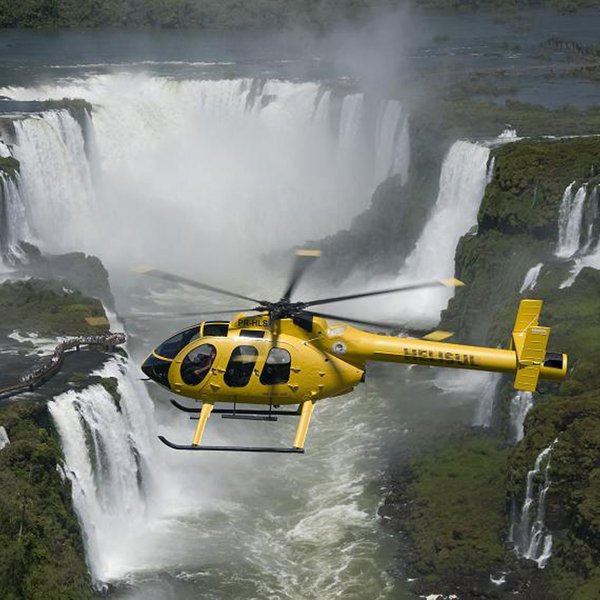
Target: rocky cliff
{"type": "Point", "coordinates": [480, 518]}
{"type": "Point", "coordinates": [41, 548]}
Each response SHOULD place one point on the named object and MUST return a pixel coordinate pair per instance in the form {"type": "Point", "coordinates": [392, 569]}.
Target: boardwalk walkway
{"type": "Point", "coordinates": [48, 366]}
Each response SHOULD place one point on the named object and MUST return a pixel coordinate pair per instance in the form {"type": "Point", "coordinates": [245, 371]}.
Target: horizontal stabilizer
{"type": "Point", "coordinates": [438, 336]}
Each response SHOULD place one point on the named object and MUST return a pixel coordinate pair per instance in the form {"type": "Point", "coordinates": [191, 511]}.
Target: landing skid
{"type": "Point", "coordinates": [203, 412]}
{"type": "Point", "coordinates": [166, 442]}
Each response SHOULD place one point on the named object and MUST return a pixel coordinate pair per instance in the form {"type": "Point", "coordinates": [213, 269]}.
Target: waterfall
{"type": "Point", "coordinates": [588, 252]}
{"type": "Point", "coordinates": [531, 278]}
{"type": "Point", "coordinates": [529, 533]}
{"type": "Point", "coordinates": [591, 222]}
{"type": "Point", "coordinates": [485, 409]}
{"type": "Point", "coordinates": [4, 150]}
{"type": "Point", "coordinates": [190, 154]}
{"type": "Point", "coordinates": [570, 218]}
{"type": "Point", "coordinates": [392, 152]}
{"type": "Point", "coordinates": [520, 404]}
{"type": "Point", "coordinates": [106, 446]}
{"type": "Point", "coordinates": [14, 224]}
{"type": "Point", "coordinates": [491, 170]}
{"type": "Point", "coordinates": [351, 124]}
{"type": "Point", "coordinates": [55, 178]}
{"type": "Point", "coordinates": [462, 185]}
{"type": "Point", "coordinates": [4, 441]}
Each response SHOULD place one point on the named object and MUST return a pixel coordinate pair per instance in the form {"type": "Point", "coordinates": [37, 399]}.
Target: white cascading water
{"type": "Point", "coordinates": [591, 236]}
{"type": "Point", "coordinates": [588, 250]}
{"type": "Point", "coordinates": [55, 178]}
{"type": "Point", "coordinates": [106, 448]}
{"type": "Point", "coordinates": [531, 278]}
{"type": "Point", "coordinates": [485, 407]}
{"type": "Point", "coordinates": [463, 180]}
{"type": "Point", "coordinates": [529, 533]}
{"type": "Point", "coordinates": [392, 145]}
{"type": "Point", "coordinates": [4, 150]}
{"type": "Point", "coordinates": [520, 404]}
{"type": "Point", "coordinates": [198, 155]}
{"type": "Point", "coordinates": [14, 225]}
{"type": "Point", "coordinates": [570, 218]}
{"type": "Point", "coordinates": [4, 440]}
{"type": "Point", "coordinates": [462, 184]}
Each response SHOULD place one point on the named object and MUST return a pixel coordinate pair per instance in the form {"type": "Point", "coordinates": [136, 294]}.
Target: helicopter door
{"type": "Point", "coordinates": [277, 367]}
{"type": "Point", "coordinates": [240, 366]}
{"type": "Point", "coordinates": [197, 364]}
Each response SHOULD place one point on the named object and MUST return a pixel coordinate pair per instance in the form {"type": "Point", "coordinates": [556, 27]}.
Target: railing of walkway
{"type": "Point", "coordinates": [50, 365]}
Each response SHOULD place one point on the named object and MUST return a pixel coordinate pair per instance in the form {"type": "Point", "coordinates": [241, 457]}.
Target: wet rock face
{"type": "Point", "coordinates": [537, 174]}
{"type": "Point", "coordinates": [517, 231]}
{"type": "Point", "coordinates": [41, 550]}
{"type": "Point", "coordinates": [77, 270]}
{"type": "Point", "coordinates": [518, 228]}
{"type": "Point", "coordinates": [379, 239]}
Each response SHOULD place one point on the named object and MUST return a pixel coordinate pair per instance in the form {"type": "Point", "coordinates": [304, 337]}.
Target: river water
{"type": "Point", "coordinates": [202, 152]}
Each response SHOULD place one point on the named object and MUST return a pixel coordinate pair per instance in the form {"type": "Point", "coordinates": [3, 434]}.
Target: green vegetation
{"type": "Point", "coordinates": [232, 14]}
{"type": "Point", "coordinates": [9, 165]}
{"type": "Point", "coordinates": [504, 5]}
{"type": "Point", "coordinates": [571, 414]}
{"type": "Point", "coordinates": [45, 307]}
{"type": "Point", "coordinates": [40, 545]}
{"type": "Point", "coordinates": [469, 117]}
{"type": "Point", "coordinates": [456, 518]}
{"type": "Point", "coordinates": [179, 14]}
{"type": "Point", "coordinates": [517, 229]}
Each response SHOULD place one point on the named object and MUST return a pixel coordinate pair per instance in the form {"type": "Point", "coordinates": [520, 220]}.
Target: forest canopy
{"type": "Point", "coordinates": [229, 14]}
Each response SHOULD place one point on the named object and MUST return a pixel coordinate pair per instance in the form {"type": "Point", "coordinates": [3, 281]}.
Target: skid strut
{"type": "Point", "coordinates": [238, 411]}
{"type": "Point", "coordinates": [202, 414]}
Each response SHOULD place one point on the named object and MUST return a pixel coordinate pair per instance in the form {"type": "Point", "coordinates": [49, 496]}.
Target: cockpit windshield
{"type": "Point", "coordinates": [172, 347]}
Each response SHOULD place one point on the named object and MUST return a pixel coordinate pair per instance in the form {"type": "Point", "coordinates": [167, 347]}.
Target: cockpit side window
{"type": "Point", "coordinates": [277, 367]}
{"type": "Point", "coordinates": [172, 347]}
{"type": "Point", "coordinates": [240, 366]}
{"type": "Point", "coordinates": [197, 364]}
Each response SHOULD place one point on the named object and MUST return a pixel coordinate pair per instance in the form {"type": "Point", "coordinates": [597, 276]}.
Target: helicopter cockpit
{"type": "Point", "coordinates": [195, 365]}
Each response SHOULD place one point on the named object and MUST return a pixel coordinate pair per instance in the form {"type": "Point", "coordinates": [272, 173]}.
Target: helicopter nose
{"type": "Point", "coordinates": [157, 369]}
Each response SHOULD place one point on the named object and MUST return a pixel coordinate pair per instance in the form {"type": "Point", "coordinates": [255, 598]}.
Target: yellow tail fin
{"type": "Point", "coordinates": [529, 341]}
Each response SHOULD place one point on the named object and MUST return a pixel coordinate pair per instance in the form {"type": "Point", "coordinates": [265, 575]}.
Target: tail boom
{"type": "Point", "coordinates": [526, 358]}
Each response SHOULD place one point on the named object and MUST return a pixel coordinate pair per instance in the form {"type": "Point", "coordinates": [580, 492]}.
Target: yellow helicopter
{"type": "Point", "coordinates": [283, 353]}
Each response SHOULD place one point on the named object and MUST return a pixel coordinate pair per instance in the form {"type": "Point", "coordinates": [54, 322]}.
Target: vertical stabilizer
{"type": "Point", "coordinates": [529, 341]}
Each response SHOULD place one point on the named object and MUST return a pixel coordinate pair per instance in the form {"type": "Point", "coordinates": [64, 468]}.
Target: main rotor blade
{"type": "Point", "coordinates": [452, 282]}
{"type": "Point", "coordinates": [174, 315]}
{"type": "Point", "coordinates": [418, 333]}
{"type": "Point", "coordinates": [144, 270]}
{"type": "Point", "coordinates": [304, 258]}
